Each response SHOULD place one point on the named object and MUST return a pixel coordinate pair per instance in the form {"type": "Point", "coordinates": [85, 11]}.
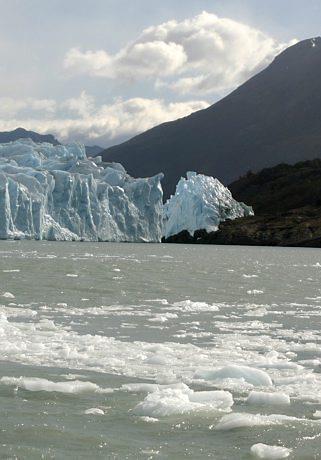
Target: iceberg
{"type": "Point", "coordinates": [200, 203]}
{"type": "Point", "coordinates": [56, 193]}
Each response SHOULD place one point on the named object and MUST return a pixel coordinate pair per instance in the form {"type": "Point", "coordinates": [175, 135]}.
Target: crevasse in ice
{"type": "Point", "coordinates": [56, 193]}
{"type": "Point", "coordinates": [200, 202]}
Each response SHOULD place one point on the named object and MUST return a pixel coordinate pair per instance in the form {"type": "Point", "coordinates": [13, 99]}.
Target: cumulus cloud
{"type": "Point", "coordinates": [81, 119]}
{"type": "Point", "coordinates": [203, 54]}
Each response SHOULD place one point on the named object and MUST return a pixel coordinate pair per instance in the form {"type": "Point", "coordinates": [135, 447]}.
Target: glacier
{"type": "Point", "coordinates": [56, 193]}
{"type": "Point", "coordinates": [200, 203]}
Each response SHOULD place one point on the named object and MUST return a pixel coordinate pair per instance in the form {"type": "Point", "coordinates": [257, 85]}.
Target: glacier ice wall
{"type": "Point", "coordinates": [57, 193]}
{"type": "Point", "coordinates": [200, 202]}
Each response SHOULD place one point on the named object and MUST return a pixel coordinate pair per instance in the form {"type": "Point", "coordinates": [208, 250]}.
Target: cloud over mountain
{"type": "Point", "coordinates": [202, 54]}
{"type": "Point", "coordinates": [81, 118]}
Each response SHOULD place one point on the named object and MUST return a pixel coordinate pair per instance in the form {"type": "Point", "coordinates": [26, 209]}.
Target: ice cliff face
{"type": "Point", "coordinates": [56, 193]}
{"type": "Point", "coordinates": [200, 202]}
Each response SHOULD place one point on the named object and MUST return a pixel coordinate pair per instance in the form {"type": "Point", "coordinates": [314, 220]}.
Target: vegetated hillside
{"type": "Point", "coordinates": [281, 188]}
{"type": "Point", "coordinates": [273, 118]}
{"type": "Point", "coordinates": [287, 204]}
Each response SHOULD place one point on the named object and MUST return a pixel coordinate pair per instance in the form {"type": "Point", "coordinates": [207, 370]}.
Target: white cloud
{"type": "Point", "coordinates": [10, 107]}
{"type": "Point", "coordinates": [80, 119]}
{"type": "Point", "coordinates": [203, 54]}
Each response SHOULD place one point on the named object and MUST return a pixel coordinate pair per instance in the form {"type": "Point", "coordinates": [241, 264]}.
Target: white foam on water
{"type": "Point", "coordinates": [266, 452]}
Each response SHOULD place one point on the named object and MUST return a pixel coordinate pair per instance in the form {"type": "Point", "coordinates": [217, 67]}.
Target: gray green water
{"type": "Point", "coordinates": [114, 315]}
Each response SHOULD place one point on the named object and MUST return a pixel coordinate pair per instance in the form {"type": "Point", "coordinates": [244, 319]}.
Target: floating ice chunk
{"type": "Point", "coordinates": [255, 292]}
{"type": "Point", "coordinates": [200, 202]}
{"type": "Point", "coordinates": [244, 420]}
{"type": "Point", "coordinates": [317, 414]}
{"type": "Point", "coordinates": [262, 398]}
{"type": "Point", "coordinates": [149, 419]}
{"type": "Point", "coordinates": [140, 387]}
{"type": "Point", "coordinates": [8, 295]}
{"type": "Point", "coordinates": [151, 387]}
{"type": "Point", "coordinates": [171, 401]}
{"type": "Point", "coordinates": [162, 317]}
{"type": "Point", "coordinates": [251, 375]}
{"type": "Point", "coordinates": [189, 305]}
{"type": "Point", "coordinates": [94, 411]}
{"type": "Point", "coordinates": [266, 452]}
{"type": "Point", "coordinates": [38, 384]}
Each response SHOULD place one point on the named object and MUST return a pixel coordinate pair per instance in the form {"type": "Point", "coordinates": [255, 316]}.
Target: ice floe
{"type": "Point", "coordinates": [266, 452]}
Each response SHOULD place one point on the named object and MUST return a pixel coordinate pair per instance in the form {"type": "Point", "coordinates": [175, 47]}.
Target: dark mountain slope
{"type": "Point", "coordinates": [93, 150]}
{"type": "Point", "coordinates": [19, 133]}
{"type": "Point", "coordinates": [274, 117]}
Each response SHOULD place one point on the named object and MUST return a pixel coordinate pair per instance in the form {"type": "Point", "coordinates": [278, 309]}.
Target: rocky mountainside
{"type": "Point", "coordinates": [274, 117]}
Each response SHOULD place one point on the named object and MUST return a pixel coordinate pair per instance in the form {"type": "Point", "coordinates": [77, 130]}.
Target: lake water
{"type": "Point", "coordinates": [151, 351]}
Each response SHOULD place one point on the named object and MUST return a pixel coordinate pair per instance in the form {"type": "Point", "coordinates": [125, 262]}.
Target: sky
{"type": "Point", "coordinates": [102, 71]}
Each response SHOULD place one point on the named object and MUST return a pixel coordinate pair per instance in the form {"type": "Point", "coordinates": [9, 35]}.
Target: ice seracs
{"type": "Point", "coordinates": [57, 193]}
{"type": "Point", "coordinates": [200, 202]}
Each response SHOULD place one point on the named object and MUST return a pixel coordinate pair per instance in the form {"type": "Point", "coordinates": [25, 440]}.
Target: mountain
{"type": "Point", "coordinates": [287, 203]}
{"type": "Point", "coordinates": [93, 150]}
{"type": "Point", "coordinates": [274, 117]}
{"type": "Point", "coordinates": [20, 133]}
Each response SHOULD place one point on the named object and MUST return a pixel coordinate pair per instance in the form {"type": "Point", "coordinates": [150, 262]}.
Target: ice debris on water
{"type": "Point", "coordinates": [264, 398]}
{"type": "Point", "coordinates": [39, 384]}
{"type": "Point", "coordinates": [94, 411]}
{"type": "Point", "coordinates": [200, 202]}
{"type": "Point", "coordinates": [181, 400]}
{"type": "Point", "coordinates": [244, 420]}
{"type": "Point", "coordinates": [251, 375]}
{"type": "Point", "coordinates": [267, 452]}
{"type": "Point", "coordinates": [56, 193]}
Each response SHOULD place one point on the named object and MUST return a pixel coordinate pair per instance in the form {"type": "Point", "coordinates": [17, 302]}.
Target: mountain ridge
{"type": "Point", "coordinates": [21, 133]}
{"type": "Point", "coordinates": [270, 119]}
